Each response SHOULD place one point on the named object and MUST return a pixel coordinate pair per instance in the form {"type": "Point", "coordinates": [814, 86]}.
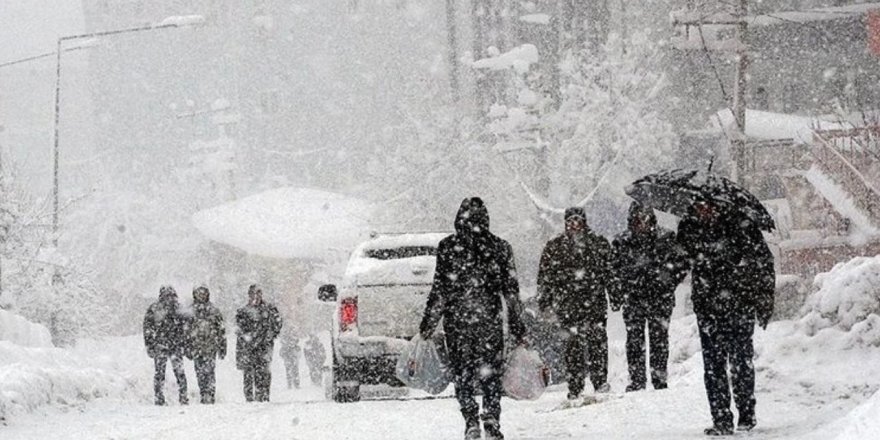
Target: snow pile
{"type": "Point", "coordinates": [31, 377]}
{"type": "Point", "coordinates": [847, 300]}
{"type": "Point", "coordinates": [862, 422]}
{"type": "Point", "coordinates": [20, 331]}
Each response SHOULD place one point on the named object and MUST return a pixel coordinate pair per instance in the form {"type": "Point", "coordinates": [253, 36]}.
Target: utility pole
{"type": "Point", "coordinates": [452, 39]}
{"type": "Point", "coordinates": [739, 98]}
{"type": "Point", "coordinates": [739, 19]}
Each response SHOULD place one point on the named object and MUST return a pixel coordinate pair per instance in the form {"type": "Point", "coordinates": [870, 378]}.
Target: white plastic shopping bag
{"type": "Point", "coordinates": [423, 367]}
{"type": "Point", "coordinates": [525, 377]}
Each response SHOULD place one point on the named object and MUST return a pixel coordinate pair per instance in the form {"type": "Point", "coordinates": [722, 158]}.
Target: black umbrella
{"type": "Point", "coordinates": [676, 191]}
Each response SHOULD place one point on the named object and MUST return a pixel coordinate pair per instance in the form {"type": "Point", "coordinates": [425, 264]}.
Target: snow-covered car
{"type": "Point", "coordinates": [379, 306]}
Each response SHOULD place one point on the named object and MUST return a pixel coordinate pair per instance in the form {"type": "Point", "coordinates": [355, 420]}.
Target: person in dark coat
{"type": "Point", "coordinates": [290, 357]}
{"type": "Point", "coordinates": [315, 355]}
{"type": "Point", "coordinates": [733, 287]}
{"type": "Point", "coordinates": [259, 323]}
{"type": "Point", "coordinates": [165, 336]}
{"type": "Point", "coordinates": [647, 267]}
{"type": "Point", "coordinates": [207, 341]}
{"type": "Point", "coordinates": [475, 272]}
{"type": "Point", "coordinates": [573, 275]}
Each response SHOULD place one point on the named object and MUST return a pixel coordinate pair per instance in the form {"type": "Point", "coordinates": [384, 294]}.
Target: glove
{"type": "Point", "coordinates": [222, 353]}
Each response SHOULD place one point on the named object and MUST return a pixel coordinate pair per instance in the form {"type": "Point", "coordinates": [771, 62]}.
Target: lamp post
{"type": "Point", "coordinates": [170, 22]}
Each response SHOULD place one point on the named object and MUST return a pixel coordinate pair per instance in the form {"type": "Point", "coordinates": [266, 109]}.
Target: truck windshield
{"type": "Point", "coordinates": [400, 252]}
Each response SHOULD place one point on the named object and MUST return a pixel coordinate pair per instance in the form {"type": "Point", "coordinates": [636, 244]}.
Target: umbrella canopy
{"type": "Point", "coordinates": [676, 191]}
{"type": "Point", "coordinates": [289, 222]}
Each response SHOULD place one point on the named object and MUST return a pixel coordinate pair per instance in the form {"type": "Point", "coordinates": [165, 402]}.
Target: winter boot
{"type": "Point", "coordinates": [717, 431]}
{"type": "Point", "coordinates": [746, 424]}
{"type": "Point", "coordinates": [493, 429]}
{"type": "Point", "coordinates": [634, 387]}
{"type": "Point", "coordinates": [604, 388]}
{"type": "Point", "coordinates": [472, 430]}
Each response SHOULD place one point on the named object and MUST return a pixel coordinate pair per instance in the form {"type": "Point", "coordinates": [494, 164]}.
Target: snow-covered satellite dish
{"type": "Point", "coordinates": [289, 222]}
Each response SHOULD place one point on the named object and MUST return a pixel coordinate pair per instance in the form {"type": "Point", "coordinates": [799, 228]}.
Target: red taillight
{"type": "Point", "coordinates": [348, 313]}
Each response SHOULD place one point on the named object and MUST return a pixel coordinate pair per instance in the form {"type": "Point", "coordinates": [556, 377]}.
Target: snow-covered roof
{"type": "Point", "coordinates": [771, 126]}
{"type": "Point", "coordinates": [289, 223]}
{"type": "Point", "coordinates": [813, 15]}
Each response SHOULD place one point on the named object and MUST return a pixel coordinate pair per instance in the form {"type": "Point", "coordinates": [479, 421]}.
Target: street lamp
{"type": "Point", "coordinates": [170, 22]}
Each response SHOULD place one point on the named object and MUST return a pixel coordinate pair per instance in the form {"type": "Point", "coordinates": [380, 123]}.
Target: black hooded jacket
{"type": "Point", "coordinates": [165, 328]}
{"type": "Point", "coordinates": [475, 271]}
{"type": "Point", "coordinates": [732, 267]}
{"type": "Point", "coordinates": [573, 276]}
{"type": "Point", "coordinates": [648, 265]}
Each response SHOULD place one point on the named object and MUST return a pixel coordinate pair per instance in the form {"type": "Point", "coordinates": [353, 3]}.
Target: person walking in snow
{"type": "Point", "coordinates": [475, 272]}
{"type": "Point", "coordinates": [733, 287]}
{"type": "Point", "coordinates": [647, 268]}
{"type": "Point", "coordinates": [315, 355]}
{"type": "Point", "coordinates": [573, 275]}
{"type": "Point", "coordinates": [207, 341]}
{"type": "Point", "coordinates": [259, 323]}
{"type": "Point", "coordinates": [165, 337]}
{"type": "Point", "coordinates": [290, 356]}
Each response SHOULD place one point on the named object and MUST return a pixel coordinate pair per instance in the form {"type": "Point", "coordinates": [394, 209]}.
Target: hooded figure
{"type": "Point", "coordinates": [733, 287]}
{"type": "Point", "coordinates": [475, 273]}
{"type": "Point", "coordinates": [207, 341]}
{"type": "Point", "coordinates": [165, 336]}
{"type": "Point", "coordinates": [259, 323]}
{"type": "Point", "coordinates": [648, 267]}
{"type": "Point", "coordinates": [573, 275]}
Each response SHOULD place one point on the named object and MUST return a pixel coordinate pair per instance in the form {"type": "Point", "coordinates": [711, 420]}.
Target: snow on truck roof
{"type": "Point", "coordinates": [289, 222]}
{"type": "Point", "coordinates": [410, 259]}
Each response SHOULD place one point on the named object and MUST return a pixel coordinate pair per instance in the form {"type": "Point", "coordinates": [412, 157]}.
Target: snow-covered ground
{"type": "Point", "coordinates": [818, 378]}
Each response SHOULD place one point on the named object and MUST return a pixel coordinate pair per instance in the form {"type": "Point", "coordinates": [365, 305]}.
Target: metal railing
{"type": "Point", "coordinates": [847, 155]}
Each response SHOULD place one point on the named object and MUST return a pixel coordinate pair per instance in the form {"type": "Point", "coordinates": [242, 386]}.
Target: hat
{"type": "Point", "coordinates": [575, 211]}
{"type": "Point", "coordinates": [167, 292]}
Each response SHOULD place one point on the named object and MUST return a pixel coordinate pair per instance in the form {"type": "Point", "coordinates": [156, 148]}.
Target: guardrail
{"type": "Point", "coordinates": [846, 155]}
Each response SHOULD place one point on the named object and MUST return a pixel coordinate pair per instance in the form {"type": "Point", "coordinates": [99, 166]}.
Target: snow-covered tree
{"type": "Point", "coordinates": [607, 130]}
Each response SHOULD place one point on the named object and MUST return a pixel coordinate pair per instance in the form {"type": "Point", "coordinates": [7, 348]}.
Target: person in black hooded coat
{"type": "Point", "coordinates": [475, 272]}
{"type": "Point", "coordinates": [259, 323]}
{"type": "Point", "coordinates": [647, 266]}
{"type": "Point", "coordinates": [165, 336]}
{"type": "Point", "coordinates": [574, 277]}
{"type": "Point", "coordinates": [733, 287]}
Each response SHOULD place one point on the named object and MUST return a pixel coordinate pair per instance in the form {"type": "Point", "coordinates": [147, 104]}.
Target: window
{"type": "Point", "coordinates": [270, 102]}
{"type": "Point", "coordinates": [401, 252]}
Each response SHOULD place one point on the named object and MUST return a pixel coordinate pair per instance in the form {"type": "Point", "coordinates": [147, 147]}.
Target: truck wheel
{"type": "Point", "coordinates": [344, 387]}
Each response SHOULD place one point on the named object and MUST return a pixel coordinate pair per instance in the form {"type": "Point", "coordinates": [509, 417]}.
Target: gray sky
{"type": "Point", "coordinates": [31, 27]}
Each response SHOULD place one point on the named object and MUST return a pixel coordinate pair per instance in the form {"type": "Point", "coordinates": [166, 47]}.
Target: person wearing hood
{"type": "Point", "coordinates": [259, 323]}
{"type": "Point", "coordinates": [733, 289]}
{"type": "Point", "coordinates": [647, 267]}
{"type": "Point", "coordinates": [207, 341]}
{"type": "Point", "coordinates": [165, 329]}
{"type": "Point", "coordinates": [573, 275]}
{"type": "Point", "coordinates": [475, 275]}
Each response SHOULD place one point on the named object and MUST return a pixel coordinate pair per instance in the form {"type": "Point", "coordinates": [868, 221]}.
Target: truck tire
{"type": "Point", "coordinates": [344, 386]}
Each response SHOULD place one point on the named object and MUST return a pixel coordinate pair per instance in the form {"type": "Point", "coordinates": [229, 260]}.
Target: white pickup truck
{"type": "Point", "coordinates": [378, 309]}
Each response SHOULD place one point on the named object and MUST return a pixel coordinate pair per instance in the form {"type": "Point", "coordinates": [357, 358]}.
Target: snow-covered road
{"type": "Point", "coordinates": [678, 413]}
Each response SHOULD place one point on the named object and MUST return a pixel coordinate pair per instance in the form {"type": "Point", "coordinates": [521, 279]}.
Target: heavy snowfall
{"type": "Point", "coordinates": [478, 219]}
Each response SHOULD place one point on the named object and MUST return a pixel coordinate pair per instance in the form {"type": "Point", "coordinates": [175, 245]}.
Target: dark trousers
{"type": "Point", "coordinates": [586, 350]}
{"type": "Point", "coordinates": [486, 375]}
{"type": "Point", "coordinates": [206, 378]}
{"type": "Point", "coordinates": [636, 319]}
{"type": "Point", "coordinates": [257, 380]}
{"type": "Point", "coordinates": [159, 363]}
{"type": "Point", "coordinates": [728, 340]}
{"type": "Point", "coordinates": [290, 357]}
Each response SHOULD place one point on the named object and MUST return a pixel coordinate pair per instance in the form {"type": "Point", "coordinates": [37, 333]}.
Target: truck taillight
{"type": "Point", "coordinates": [348, 313]}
